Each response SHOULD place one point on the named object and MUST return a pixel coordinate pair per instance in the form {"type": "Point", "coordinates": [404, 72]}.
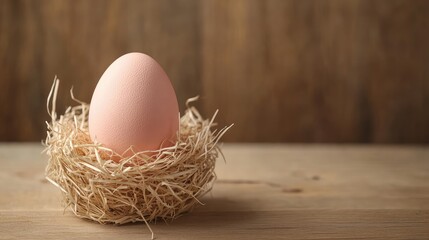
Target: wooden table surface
{"type": "Point", "coordinates": [263, 192]}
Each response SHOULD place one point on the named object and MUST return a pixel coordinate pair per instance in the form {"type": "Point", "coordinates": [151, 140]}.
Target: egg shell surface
{"type": "Point", "coordinates": [134, 105]}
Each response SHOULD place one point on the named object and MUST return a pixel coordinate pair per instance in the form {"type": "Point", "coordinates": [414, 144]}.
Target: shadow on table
{"type": "Point", "coordinates": [216, 213]}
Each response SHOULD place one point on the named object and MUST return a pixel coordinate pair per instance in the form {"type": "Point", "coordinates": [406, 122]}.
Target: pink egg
{"type": "Point", "coordinates": [134, 105]}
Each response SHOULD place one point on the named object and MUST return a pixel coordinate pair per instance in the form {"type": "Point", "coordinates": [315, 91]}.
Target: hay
{"type": "Point", "coordinates": [138, 188]}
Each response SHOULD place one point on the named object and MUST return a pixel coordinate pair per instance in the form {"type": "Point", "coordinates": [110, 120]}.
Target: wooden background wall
{"type": "Point", "coordinates": [281, 70]}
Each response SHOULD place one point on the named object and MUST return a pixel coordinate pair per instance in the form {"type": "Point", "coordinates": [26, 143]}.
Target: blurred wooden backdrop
{"type": "Point", "coordinates": [281, 70]}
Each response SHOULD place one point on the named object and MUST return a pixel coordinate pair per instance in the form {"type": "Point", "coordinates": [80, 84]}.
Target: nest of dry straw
{"type": "Point", "coordinates": [138, 188]}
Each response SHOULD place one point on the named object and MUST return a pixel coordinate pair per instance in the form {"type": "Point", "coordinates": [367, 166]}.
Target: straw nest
{"type": "Point", "coordinates": [137, 188]}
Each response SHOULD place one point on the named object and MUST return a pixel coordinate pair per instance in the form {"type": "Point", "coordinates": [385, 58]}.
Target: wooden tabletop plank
{"type": "Point", "coordinates": [263, 191]}
{"type": "Point", "coordinates": [288, 224]}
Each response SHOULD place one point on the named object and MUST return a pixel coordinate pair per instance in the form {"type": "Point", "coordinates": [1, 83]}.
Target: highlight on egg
{"type": "Point", "coordinates": [134, 106]}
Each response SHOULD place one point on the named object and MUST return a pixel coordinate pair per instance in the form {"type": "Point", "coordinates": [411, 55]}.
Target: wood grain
{"type": "Point", "coordinates": [288, 224]}
{"type": "Point", "coordinates": [318, 71]}
{"type": "Point", "coordinates": [262, 192]}
{"type": "Point", "coordinates": [282, 71]}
